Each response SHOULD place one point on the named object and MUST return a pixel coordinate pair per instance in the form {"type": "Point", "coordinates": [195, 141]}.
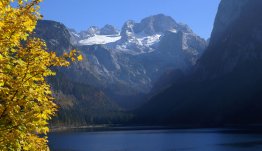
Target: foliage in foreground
{"type": "Point", "coordinates": [26, 102]}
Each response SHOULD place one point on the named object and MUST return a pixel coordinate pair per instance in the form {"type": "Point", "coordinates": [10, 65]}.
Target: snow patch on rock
{"type": "Point", "coordinates": [100, 39]}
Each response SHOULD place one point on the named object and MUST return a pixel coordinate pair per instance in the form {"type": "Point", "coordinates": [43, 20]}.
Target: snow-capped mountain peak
{"type": "Point", "coordinates": [134, 38]}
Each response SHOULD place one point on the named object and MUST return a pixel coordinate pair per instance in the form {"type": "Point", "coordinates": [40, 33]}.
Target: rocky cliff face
{"type": "Point", "coordinates": [108, 30]}
{"type": "Point", "coordinates": [155, 24]}
{"type": "Point", "coordinates": [56, 35]}
{"type": "Point", "coordinates": [229, 11]}
{"type": "Point", "coordinates": [235, 39]}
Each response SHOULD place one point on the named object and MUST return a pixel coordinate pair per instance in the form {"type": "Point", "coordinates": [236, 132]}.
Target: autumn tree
{"type": "Point", "coordinates": [26, 102]}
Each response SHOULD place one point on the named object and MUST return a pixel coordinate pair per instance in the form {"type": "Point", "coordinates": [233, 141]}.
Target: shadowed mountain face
{"type": "Point", "coordinates": [239, 44]}
{"type": "Point", "coordinates": [229, 11]}
{"type": "Point", "coordinates": [226, 85]}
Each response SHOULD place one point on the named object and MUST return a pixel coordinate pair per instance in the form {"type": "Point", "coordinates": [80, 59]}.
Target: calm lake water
{"type": "Point", "coordinates": [158, 140]}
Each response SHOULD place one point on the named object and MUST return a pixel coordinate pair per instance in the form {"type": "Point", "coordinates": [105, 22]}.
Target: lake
{"type": "Point", "coordinates": [157, 140]}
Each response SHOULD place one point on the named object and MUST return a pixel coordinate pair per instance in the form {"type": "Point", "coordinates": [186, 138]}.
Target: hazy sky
{"type": "Point", "coordinates": [80, 14]}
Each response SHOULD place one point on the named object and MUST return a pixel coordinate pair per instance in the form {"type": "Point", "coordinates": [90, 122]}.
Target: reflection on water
{"type": "Point", "coordinates": [158, 140]}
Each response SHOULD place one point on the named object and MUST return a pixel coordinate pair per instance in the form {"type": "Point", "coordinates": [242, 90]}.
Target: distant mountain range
{"type": "Point", "coordinates": [122, 66]}
{"type": "Point", "coordinates": [127, 63]}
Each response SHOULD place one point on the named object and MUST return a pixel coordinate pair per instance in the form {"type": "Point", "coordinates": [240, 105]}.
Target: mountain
{"type": "Point", "coordinates": [226, 83]}
{"type": "Point", "coordinates": [79, 104]}
{"type": "Point", "coordinates": [127, 64]}
{"type": "Point", "coordinates": [120, 68]}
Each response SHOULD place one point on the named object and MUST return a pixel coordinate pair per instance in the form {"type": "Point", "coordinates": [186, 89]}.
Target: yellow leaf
{"type": "Point", "coordinates": [80, 58]}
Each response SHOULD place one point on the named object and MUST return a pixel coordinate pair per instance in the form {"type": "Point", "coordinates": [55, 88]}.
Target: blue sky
{"type": "Point", "coordinates": [80, 14]}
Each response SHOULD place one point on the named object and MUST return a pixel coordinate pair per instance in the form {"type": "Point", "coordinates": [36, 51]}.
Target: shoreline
{"type": "Point", "coordinates": [66, 128]}
{"type": "Point", "coordinates": [116, 127]}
